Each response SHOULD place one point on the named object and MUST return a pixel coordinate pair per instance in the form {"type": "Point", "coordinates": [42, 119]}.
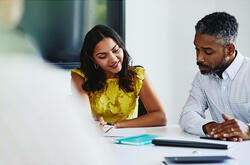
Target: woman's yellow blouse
{"type": "Point", "coordinates": [113, 103]}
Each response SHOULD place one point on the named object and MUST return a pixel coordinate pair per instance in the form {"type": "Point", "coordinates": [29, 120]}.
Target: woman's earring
{"type": "Point", "coordinates": [96, 66]}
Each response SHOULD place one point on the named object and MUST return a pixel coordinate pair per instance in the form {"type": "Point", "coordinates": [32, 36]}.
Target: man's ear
{"type": "Point", "coordinates": [230, 49]}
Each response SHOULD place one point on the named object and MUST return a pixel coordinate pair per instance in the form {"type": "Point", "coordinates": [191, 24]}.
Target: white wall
{"type": "Point", "coordinates": [159, 36]}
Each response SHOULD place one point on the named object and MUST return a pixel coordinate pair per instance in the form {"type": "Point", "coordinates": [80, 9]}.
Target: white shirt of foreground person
{"type": "Point", "coordinates": [39, 123]}
{"type": "Point", "coordinates": [230, 95]}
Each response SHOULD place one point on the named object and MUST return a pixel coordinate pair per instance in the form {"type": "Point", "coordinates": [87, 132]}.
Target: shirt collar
{"type": "Point", "coordinates": [234, 67]}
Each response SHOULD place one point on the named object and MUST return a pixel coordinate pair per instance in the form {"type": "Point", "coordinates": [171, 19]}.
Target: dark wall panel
{"type": "Point", "coordinates": [59, 26]}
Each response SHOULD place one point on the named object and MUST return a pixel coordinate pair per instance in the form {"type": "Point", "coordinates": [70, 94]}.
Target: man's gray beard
{"type": "Point", "coordinates": [217, 69]}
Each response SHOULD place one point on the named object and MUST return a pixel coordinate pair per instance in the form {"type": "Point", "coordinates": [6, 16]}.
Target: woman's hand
{"type": "Point", "coordinates": [100, 121]}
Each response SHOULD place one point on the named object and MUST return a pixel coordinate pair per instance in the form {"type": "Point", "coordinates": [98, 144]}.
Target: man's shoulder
{"type": "Point", "coordinates": [245, 63]}
{"type": "Point", "coordinates": [247, 60]}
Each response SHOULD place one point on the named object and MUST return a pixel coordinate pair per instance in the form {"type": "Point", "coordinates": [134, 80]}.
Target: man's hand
{"type": "Point", "coordinates": [231, 129]}
{"type": "Point", "coordinates": [209, 127]}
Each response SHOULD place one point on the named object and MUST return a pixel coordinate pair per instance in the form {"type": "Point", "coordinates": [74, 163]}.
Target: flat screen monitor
{"type": "Point", "coordinates": [58, 26]}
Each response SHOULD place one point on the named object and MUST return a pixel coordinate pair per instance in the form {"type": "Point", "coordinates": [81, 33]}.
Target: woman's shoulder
{"type": "Point", "coordinates": [140, 71]}
{"type": "Point", "coordinates": [79, 72]}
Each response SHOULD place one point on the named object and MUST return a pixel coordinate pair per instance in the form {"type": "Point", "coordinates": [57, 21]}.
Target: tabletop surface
{"type": "Point", "coordinates": [154, 155]}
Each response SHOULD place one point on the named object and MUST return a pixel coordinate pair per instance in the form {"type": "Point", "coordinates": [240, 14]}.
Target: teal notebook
{"type": "Point", "coordinates": [137, 140]}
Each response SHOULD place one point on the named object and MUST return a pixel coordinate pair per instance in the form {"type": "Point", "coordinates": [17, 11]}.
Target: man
{"type": "Point", "coordinates": [222, 85]}
{"type": "Point", "coordinates": [39, 123]}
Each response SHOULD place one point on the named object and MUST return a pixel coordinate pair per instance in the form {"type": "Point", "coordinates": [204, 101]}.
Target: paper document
{"type": "Point", "coordinates": [124, 132]}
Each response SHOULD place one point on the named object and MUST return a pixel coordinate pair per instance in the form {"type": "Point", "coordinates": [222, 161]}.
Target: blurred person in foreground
{"type": "Point", "coordinates": [222, 85]}
{"type": "Point", "coordinates": [39, 125]}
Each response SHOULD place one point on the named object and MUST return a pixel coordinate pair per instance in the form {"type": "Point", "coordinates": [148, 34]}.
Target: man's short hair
{"type": "Point", "coordinates": [220, 24]}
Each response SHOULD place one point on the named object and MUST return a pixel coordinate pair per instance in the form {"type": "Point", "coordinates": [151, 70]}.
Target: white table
{"type": "Point", "coordinates": [153, 155]}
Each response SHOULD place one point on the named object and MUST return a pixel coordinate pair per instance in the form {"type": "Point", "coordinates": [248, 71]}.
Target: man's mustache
{"type": "Point", "coordinates": [202, 65]}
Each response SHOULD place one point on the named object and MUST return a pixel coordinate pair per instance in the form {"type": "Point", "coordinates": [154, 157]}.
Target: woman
{"type": "Point", "coordinates": [112, 85]}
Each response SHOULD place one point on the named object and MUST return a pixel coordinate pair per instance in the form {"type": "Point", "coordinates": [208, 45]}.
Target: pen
{"type": "Point", "coordinates": [108, 130]}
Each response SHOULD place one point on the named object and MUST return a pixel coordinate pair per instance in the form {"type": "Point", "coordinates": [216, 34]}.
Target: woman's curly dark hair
{"type": "Point", "coordinates": [96, 77]}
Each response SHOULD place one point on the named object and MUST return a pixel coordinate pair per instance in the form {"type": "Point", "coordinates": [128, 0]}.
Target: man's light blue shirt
{"type": "Point", "coordinates": [229, 95]}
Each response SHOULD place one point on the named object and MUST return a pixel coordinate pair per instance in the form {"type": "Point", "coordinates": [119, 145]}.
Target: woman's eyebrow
{"type": "Point", "coordinates": [114, 47]}
{"type": "Point", "coordinates": [100, 53]}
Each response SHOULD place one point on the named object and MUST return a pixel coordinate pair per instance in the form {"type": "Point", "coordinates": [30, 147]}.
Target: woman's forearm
{"type": "Point", "coordinates": [156, 118]}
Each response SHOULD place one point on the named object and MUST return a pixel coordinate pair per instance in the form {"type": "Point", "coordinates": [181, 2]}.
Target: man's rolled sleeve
{"type": "Point", "coordinates": [192, 117]}
{"type": "Point", "coordinates": [192, 122]}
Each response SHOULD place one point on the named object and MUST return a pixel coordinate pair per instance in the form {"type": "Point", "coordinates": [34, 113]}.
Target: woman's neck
{"type": "Point", "coordinates": [111, 75]}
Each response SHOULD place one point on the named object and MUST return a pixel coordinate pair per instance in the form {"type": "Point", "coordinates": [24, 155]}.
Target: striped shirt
{"type": "Point", "coordinates": [229, 95]}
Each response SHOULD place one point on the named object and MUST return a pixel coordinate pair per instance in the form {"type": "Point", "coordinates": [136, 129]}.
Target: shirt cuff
{"type": "Point", "coordinates": [200, 125]}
